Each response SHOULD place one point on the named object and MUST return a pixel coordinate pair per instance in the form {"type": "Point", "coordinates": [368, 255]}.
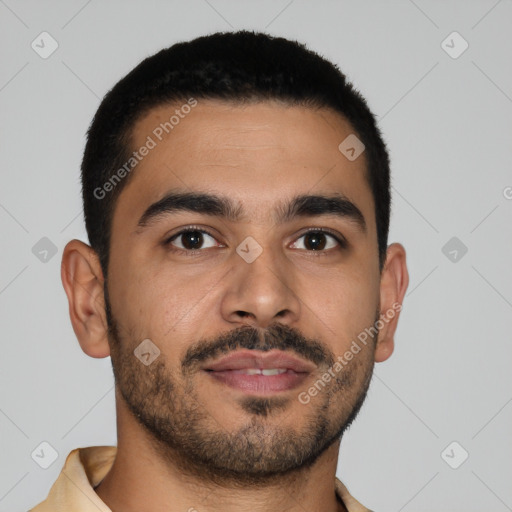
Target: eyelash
{"type": "Point", "coordinates": [193, 229]}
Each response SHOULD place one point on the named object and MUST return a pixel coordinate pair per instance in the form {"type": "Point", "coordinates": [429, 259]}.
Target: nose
{"type": "Point", "coordinates": [261, 292]}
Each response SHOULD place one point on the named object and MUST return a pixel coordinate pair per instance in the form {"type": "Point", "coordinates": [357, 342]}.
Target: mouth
{"type": "Point", "coordinates": [255, 372]}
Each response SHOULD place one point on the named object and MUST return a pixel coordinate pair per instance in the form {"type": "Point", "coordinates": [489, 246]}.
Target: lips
{"type": "Point", "coordinates": [246, 359]}
{"type": "Point", "coordinates": [257, 372]}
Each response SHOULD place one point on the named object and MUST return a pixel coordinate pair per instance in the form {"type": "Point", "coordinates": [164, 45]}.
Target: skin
{"type": "Point", "coordinates": [258, 155]}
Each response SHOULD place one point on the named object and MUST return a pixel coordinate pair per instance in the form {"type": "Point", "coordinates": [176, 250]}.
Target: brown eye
{"type": "Point", "coordinates": [191, 240]}
{"type": "Point", "coordinates": [319, 240]}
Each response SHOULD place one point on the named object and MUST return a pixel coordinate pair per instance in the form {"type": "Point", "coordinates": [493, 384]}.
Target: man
{"type": "Point", "coordinates": [236, 198]}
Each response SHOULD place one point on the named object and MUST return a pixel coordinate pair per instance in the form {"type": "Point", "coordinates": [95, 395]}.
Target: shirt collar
{"type": "Point", "coordinates": [86, 467]}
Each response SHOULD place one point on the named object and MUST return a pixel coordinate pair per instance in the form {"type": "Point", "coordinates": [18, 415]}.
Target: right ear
{"type": "Point", "coordinates": [83, 282]}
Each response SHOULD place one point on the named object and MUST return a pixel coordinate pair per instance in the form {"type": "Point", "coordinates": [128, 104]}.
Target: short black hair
{"type": "Point", "coordinates": [235, 67]}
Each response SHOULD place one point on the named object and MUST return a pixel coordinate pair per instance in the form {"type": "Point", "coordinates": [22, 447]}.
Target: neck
{"type": "Point", "coordinates": [143, 478]}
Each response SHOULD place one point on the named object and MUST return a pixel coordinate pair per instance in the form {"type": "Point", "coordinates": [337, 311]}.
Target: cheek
{"type": "Point", "coordinates": [343, 305]}
{"type": "Point", "coordinates": [165, 303]}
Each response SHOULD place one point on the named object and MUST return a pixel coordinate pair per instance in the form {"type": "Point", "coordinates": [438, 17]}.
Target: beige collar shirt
{"type": "Point", "coordinates": [85, 468]}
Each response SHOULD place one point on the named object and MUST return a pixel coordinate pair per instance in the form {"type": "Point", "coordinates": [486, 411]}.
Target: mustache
{"type": "Point", "coordinates": [276, 336]}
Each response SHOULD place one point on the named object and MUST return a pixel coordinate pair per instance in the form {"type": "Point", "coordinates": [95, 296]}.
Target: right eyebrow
{"type": "Point", "coordinates": [207, 204]}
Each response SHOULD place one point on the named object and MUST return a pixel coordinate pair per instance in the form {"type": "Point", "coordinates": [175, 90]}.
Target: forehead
{"type": "Point", "coordinates": [257, 153]}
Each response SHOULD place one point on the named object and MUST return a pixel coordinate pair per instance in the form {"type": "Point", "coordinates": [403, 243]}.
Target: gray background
{"type": "Point", "coordinates": [448, 125]}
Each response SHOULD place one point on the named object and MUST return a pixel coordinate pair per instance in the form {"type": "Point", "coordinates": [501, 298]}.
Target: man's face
{"type": "Point", "coordinates": [259, 286]}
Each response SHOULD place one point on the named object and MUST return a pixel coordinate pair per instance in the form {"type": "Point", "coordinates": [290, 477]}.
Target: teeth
{"type": "Point", "coordinates": [273, 371]}
{"type": "Point", "coordinates": [251, 371]}
{"type": "Point", "coordinates": [266, 371]}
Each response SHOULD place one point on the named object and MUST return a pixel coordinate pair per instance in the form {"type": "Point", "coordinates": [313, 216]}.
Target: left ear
{"type": "Point", "coordinates": [393, 285]}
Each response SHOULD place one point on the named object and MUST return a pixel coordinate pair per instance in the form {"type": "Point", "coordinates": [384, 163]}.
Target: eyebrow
{"type": "Point", "coordinates": [215, 205]}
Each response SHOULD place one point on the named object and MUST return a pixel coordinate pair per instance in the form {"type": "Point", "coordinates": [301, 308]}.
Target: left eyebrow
{"type": "Point", "coordinates": [223, 207]}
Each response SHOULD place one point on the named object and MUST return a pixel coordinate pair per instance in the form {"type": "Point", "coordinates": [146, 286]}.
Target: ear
{"type": "Point", "coordinates": [83, 282]}
{"type": "Point", "coordinates": [393, 285]}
